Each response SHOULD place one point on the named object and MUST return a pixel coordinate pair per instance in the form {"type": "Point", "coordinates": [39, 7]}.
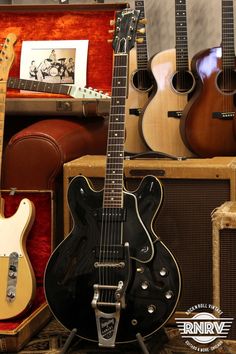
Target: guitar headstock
{"type": "Point", "coordinates": [7, 56]}
{"type": "Point", "coordinates": [82, 92]}
{"type": "Point", "coordinates": [125, 30]}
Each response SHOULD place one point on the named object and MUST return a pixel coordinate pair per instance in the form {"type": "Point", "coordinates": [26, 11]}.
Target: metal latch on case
{"type": "Point", "coordinates": [64, 106]}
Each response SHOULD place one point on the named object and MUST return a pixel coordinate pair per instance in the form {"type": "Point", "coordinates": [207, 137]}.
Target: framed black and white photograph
{"type": "Point", "coordinates": [63, 62]}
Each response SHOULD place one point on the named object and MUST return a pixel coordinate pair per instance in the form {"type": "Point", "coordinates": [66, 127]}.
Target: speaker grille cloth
{"type": "Point", "coordinates": [228, 276]}
{"type": "Point", "coordinates": [184, 225]}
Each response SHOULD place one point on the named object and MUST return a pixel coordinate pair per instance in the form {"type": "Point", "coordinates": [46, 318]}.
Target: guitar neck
{"type": "Point", "coordinates": [39, 86]}
{"type": "Point", "coordinates": [113, 188]}
{"type": "Point", "coordinates": [141, 46]}
{"type": "Point", "coordinates": [2, 119]}
{"type": "Point", "coordinates": [228, 52]}
{"type": "Point", "coordinates": [182, 60]}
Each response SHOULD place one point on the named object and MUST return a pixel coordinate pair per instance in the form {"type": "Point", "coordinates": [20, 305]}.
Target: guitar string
{"type": "Point", "coordinates": [227, 39]}
{"type": "Point", "coordinates": [223, 49]}
{"type": "Point", "coordinates": [141, 75]}
{"type": "Point", "coordinates": [181, 40]}
{"type": "Point", "coordinates": [111, 228]}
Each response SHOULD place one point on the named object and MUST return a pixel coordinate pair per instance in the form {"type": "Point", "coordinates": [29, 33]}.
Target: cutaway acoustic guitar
{"type": "Point", "coordinates": [208, 120]}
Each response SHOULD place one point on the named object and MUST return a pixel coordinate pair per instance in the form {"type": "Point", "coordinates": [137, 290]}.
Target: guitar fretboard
{"type": "Point", "coordinates": [39, 86]}
{"type": "Point", "coordinates": [113, 188]}
{"type": "Point", "coordinates": [2, 117]}
{"type": "Point", "coordinates": [142, 53]}
{"type": "Point", "coordinates": [182, 61]}
{"type": "Point", "coordinates": [228, 52]}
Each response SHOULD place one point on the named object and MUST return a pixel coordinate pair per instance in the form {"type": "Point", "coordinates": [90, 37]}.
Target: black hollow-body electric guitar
{"type": "Point", "coordinates": [112, 278]}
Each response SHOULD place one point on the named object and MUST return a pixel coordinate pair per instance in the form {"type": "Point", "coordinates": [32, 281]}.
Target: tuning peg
{"type": "Point", "coordinates": [139, 40]}
{"type": "Point", "coordinates": [111, 31]}
{"type": "Point", "coordinates": [112, 22]}
{"type": "Point", "coordinates": [143, 21]}
{"type": "Point", "coordinates": [141, 30]}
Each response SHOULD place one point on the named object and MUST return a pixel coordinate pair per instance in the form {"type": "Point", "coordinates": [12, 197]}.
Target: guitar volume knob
{"type": "Point", "coordinates": [163, 272]}
{"type": "Point", "coordinates": [169, 294]}
{"type": "Point", "coordinates": [151, 308]}
{"type": "Point", "coordinates": [145, 285]}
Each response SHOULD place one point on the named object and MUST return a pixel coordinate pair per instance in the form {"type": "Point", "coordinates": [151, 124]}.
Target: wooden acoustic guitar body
{"type": "Point", "coordinates": [160, 131]}
{"type": "Point", "coordinates": [17, 278]}
{"type": "Point", "coordinates": [136, 100]}
{"type": "Point", "coordinates": [207, 124]}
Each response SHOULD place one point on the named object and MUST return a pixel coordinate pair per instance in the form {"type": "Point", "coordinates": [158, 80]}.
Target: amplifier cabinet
{"type": "Point", "coordinates": [224, 261]}
{"type": "Point", "coordinates": [193, 188]}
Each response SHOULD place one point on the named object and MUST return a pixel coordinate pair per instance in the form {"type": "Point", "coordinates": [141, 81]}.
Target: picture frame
{"type": "Point", "coordinates": [59, 61]}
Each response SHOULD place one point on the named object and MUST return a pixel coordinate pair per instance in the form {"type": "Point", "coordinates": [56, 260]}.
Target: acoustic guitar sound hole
{"type": "Point", "coordinates": [142, 80]}
{"type": "Point", "coordinates": [183, 81]}
{"type": "Point", "coordinates": [226, 81]}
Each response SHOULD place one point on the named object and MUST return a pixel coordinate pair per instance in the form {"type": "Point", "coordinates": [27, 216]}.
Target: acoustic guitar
{"type": "Point", "coordinates": [174, 82]}
{"type": "Point", "coordinates": [140, 84]}
{"type": "Point", "coordinates": [17, 281]}
{"type": "Point", "coordinates": [112, 278]}
{"type": "Point", "coordinates": [207, 124]}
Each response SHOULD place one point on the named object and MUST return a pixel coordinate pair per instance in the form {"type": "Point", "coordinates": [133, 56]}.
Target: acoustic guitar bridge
{"type": "Point", "coordinates": [175, 114]}
{"type": "Point", "coordinates": [223, 115]}
{"type": "Point", "coordinates": [135, 112]}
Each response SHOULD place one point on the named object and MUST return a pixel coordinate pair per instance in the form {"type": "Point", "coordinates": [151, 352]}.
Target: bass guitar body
{"type": "Point", "coordinates": [140, 84]}
{"type": "Point", "coordinates": [16, 276]}
{"type": "Point", "coordinates": [74, 279]}
{"type": "Point", "coordinates": [161, 116]}
{"type": "Point", "coordinates": [207, 125]}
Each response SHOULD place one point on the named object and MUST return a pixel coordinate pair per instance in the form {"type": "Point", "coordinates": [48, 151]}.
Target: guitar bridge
{"type": "Point", "coordinates": [135, 111]}
{"type": "Point", "coordinates": [12, 276]}
{"type": "Point", "coordinates": [223, 115]}
{"type": "Point", "coordinates": [175, 114]}
{"type": "Point", "coordinates": [109, 299]}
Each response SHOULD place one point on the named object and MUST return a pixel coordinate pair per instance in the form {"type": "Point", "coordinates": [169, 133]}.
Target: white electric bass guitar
{"type": "Point", "coordinates": [17, 280]}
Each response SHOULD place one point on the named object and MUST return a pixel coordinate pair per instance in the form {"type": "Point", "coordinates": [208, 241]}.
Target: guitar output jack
{"type": "Point", "coordinates": [134, 322]}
